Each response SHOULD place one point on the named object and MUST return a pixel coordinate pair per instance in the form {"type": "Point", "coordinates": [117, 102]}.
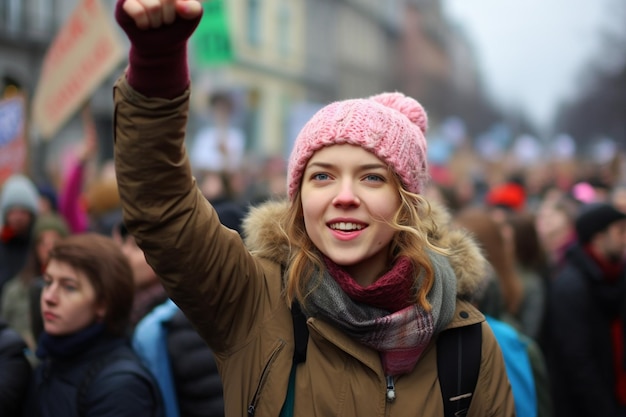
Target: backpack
{"type": "Point", "coordinates": [458, 361]}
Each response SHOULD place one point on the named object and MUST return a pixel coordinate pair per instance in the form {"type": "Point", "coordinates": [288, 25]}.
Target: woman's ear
{"type": "Point", "coordinates": [101, 312]}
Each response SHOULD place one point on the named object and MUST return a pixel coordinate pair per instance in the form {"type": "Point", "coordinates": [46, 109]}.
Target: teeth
{"type": "Point", "coordinates": [346, 226]}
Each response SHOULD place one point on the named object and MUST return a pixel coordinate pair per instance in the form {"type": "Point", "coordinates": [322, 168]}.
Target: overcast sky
{"type": "Point", "coordinates": [532, 52]}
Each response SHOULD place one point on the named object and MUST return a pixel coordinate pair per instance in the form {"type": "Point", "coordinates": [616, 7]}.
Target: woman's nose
{"type": "Point", "coordinates": [49, 295]}
{"type": "Point", "coordinates": [346, 195]}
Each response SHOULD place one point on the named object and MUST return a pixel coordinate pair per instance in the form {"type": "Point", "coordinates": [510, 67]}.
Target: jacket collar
{"type": "Point", "coordinates": [262, 234]}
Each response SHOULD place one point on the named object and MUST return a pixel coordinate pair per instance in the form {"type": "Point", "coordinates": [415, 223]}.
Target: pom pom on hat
{"type": "Point", "coordinates": [390, 125]}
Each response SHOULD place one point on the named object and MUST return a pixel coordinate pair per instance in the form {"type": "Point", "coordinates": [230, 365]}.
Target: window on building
{"type": "Point", "coordinates": [254, 22]}
{"type": "Point", "coordinates": [284, 28]}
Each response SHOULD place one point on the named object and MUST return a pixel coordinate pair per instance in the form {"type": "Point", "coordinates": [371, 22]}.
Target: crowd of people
{"type": "Point", "coordinates": [151, 286]}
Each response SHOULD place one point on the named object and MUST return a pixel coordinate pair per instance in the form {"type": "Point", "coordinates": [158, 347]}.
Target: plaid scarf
{"type": "Point", "coordinates": [399, 336]}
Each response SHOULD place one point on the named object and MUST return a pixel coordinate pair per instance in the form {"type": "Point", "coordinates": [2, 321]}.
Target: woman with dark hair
{"type": "Point", "coordinates": [87, 365]}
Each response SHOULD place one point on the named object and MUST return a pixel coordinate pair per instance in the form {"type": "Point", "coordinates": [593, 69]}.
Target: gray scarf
{"type": "Point", "coordinates": [400, 337]}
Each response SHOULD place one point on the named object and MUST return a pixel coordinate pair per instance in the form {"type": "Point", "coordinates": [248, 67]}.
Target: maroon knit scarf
{"type": "Point", "coordinates": [392, 292]}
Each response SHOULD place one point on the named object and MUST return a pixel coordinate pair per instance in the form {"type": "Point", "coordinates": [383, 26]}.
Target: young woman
{"type": "Point", "coordinates": [373, 267]}
{"type": "Point", "coordinates": [87, 365]}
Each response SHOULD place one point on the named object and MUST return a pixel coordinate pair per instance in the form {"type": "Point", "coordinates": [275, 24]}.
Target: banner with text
{"type": "Point", "coordinates": [12, 139]}
{"type": "Point", "coordinates": [83, 54]}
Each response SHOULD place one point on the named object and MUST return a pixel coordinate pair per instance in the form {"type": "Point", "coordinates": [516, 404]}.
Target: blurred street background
{"type": "Point", "coordinates": [513, 84]}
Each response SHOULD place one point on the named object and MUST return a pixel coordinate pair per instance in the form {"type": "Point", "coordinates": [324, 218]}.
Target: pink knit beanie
{"type": "Point", "coordinates": [390, 125]}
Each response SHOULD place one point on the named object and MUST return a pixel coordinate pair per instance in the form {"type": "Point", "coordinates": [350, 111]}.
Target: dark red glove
{"type": "Point", "coordinates": [158, 57]}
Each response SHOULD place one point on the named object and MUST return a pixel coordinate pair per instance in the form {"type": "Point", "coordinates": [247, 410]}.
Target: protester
{"type": "Point", "coordinates": [15, 371]}
{"type": "Point", "coordinates": [87, 364]}
{"type": "Point", "coordinates": [525, 363]}
{"type": "Point", "coordinates": [182, 363]}
{"type": "Point", "coordinates": [73, 204]}
{"type": "Point", "coordinates": [374, 268]}
{"type": "Point", "coordinates": [587, 305]}
{"type": "Point", "coordinates": [533, 270]}
{"type": "Point", "coordinates": [16, 298]}
{"type": "Point", "coordinates": [19, 203]}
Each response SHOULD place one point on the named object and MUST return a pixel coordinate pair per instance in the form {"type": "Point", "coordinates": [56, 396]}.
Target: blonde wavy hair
{"type": "Point", "coordinates": [414, 227]}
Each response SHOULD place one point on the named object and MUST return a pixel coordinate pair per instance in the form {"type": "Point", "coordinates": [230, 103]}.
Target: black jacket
{"type": "Point", "coordinates": [105, 380]}
{"type": "Point", "coordinates": [198, 384]}
{"type": "Point", "coordinates": [582, 306]}
{"type": "Point", "coordinates": [15, 371]}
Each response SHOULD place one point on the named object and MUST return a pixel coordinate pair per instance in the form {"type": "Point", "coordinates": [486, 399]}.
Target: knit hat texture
{"type": "Point", "coordinates": [18, 191]}
{"type": "Point", "coordinates": [390, 125]}
{"type": "Point", "coordinates": [594, 218]}
{"type": "Point", "coordinates": [50, 221]}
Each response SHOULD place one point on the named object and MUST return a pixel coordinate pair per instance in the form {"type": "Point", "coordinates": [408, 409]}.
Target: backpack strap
{"type": "Point", "coordinates": [458, 360]}
{"type": "Point", "coordinates": [458, 365]}
{"type": "Point", "coordinates": [300, 333]}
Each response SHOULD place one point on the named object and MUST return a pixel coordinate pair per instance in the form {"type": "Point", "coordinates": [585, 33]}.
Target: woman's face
{"type": "Point", "coordinates": [68, 300]}
{"type": "Point", "coordinates": [348, 199]}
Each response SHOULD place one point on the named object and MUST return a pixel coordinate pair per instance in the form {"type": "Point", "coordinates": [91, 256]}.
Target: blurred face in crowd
{"type": "Point", "coordinates": [554, 228]}
{"type": "Point", "coordinates": [143, 274]}
{"type": "Point", "coordinates": [612, 242]}
{"type": "Point", "coordinates": [348, 200]}
{"type": "Point", "coordinates": [68, 300]}
{"type": "Point", "coordinates": [45, 242]}
{"type": "Point", "coordinates": [19, 220]}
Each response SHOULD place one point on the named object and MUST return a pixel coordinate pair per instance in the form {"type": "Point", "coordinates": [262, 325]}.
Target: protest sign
{"type": "Point", "coordinates": [83, 54]}
{"type": "Point", "coordinates": [13, 149]}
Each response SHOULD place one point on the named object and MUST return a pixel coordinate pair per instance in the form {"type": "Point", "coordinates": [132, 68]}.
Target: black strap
{"type": "Point", "coordinates": [458, 360]}
{"type": "Point", "coordinates": [458, 364]}
{"type": "Point", "coordinates": [300, 333]}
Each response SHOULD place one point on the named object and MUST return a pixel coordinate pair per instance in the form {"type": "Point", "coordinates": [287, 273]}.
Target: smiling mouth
{"type": "Point", "coordinates": [346, 226]}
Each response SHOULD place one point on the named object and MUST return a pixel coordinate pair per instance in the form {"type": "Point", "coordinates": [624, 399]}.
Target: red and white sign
{"type": "Point", "coordinates": [83, 54]}
{"type": "Point", "coordinates": [12, 141]}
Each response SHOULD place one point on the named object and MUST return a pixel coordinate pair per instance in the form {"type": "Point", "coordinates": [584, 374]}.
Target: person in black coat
{"type": "Point", "coordinates": [197, 381]}
{"type": "Point", "coordinates": [87, 364]}
{"type": "Point", "coordinates": [587, 318]}
{"type": "Point", "coordinates": [15, 371]}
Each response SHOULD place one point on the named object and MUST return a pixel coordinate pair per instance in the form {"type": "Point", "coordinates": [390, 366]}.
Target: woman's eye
{"type": "Point", "coordinates": [68, 287]}
{"type": "Point", "coordinates": [320, 176]}
{"type": "Point", "coordinates": [374, 178]}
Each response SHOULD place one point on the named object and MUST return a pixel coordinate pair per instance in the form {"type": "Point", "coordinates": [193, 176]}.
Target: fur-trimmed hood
{"type": "Point", "coordinates": [263, 236]}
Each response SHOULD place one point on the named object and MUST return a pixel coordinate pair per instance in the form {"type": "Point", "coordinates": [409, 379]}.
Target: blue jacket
{"type": "Point", "coordinates": [518, 367]}
{"type": "Point", "coordinates": [150, 343]}
{"type": "Point", "coordinates": [182, 363]}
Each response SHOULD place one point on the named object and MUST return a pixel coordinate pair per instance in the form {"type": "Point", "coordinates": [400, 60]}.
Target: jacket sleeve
{"type": "Point", "coordinates": [15, 372]}
{"type": "Point", "coordinates": [205, 267]}
{"type": "Point", "coordinates": [69, 199]}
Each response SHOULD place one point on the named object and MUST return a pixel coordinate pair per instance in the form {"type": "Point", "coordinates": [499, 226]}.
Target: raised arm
{"type": "Point", "coordinates": [205, 267]}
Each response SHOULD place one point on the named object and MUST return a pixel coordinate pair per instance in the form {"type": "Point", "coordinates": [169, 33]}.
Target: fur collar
{"type": "Point", "coordinates": [263, 237]}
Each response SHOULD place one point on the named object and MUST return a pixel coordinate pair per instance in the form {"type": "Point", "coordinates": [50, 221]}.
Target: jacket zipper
{"type": "Point", "coordinates": [264, 374]}
{"type": "Point", "coordinates": [391, 389]}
